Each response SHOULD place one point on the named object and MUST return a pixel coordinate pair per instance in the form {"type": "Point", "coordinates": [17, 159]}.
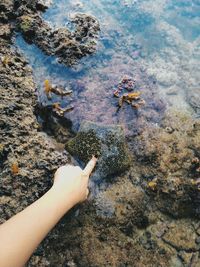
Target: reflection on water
{"type": "Point", "coordinates": [150, 40]}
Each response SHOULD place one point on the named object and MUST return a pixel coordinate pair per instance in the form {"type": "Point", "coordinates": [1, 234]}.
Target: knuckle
{"type": "Point", "coordinates": [78, 169]}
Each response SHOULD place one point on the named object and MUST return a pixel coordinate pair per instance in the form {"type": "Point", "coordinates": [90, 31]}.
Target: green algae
{"type": "Point", "coordinates": [26, 23]}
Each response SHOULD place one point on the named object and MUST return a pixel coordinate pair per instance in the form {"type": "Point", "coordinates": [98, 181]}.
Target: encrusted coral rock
{"type": "Point", "coordinates": [67, 46]}
{"type": "Point", "coordinates": [30, 6]}
{"type": "Point", "coordinates": [106, 142]}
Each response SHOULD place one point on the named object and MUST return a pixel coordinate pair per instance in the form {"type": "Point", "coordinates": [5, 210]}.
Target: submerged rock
{"type": "Point", "coordinates": [123, 205]}
{"type": "Point", "coordinates": [30, 6]}
{"type": "Point", "coordinates": [67, 46]}
{"type": "Point", "coordinates": [105, 142]}
{"type": "Point", "coordinates": [194, 99]}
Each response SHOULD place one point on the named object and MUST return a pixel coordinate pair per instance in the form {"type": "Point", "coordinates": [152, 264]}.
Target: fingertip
{"type": "Point", "coordinates": [94, 158]}
{"type": "Point", "coordinates": [87, 193]}
{"type": "Point", "coordinates": [90, 166]}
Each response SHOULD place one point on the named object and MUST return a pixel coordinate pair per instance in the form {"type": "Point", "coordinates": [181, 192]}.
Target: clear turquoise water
{"type": "Point", "coordinates": [160, 38]}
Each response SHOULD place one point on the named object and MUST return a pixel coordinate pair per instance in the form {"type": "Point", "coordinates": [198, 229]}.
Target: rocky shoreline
{"type": "Point", "coordinates": [148, 216]}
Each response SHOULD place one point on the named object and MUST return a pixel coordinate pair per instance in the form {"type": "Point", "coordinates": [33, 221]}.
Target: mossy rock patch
{"type": "Point", "coordinates": [106, 142]}
{"type": "Point", "coordinates": [26, 23]}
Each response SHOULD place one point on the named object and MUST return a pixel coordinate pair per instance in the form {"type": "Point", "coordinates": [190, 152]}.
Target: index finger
{"type": "Point", "coordinates": [90, 166]}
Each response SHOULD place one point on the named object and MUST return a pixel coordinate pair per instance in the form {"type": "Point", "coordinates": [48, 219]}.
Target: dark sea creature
{"type": "Point", "coordinates": [106, 142]}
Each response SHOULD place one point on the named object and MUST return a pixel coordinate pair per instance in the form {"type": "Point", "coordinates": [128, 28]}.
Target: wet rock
{"type": "Point", "coordinates": [113, 247]}
{"type": "Point", "coordinates": [181, 236]}
{"type": "Point", "coordinates": [6, 10]}
{"type": "Point", "coordinates": [5, 32]}
{"type": "Point", "coordinates": [175, 262]}
{"type": "Point", "coordinates": [27, 25]}
{"type": "Point", "coordinates": [105, 142]}
{"type": "Point", "coordinates": [21, 142]}
{"type": "Point", "coordinates": [43, 4]}
{"type": "Point", "coordinates": [67, 46]}
{"type": "Point", "coordinates": [195, 260]}
{"type": "Point", "coordinates": [185, 257]}
{"type": "Point", "coordinates": [172, 91]}
{"type": "Point", "coordinates": [23, 7]}
{"type": "Point", "coordinates": [123, 205]}
{"type": "Point", "coordinates": [197, 240]}
{"type": "Point", "coordinates": [198, 231]}
{"type": "Point", "coordinates": [167, 164]}
{"type": "Point", "coordinates": [3, 153]}
{"type": "Point", "coordinates": [194, 99]}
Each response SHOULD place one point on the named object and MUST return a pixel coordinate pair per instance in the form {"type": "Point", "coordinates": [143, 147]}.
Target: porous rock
{"type": "Point", "coordinates": [67, 46]}
{"type": "Point", "coordinates": [169, 164]}
{"type": "Point", "coordinates": [181, 239]}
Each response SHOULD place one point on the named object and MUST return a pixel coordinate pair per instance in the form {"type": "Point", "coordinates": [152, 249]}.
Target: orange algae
{"type": "Point", "coordinates": [15, 168]}
{"type": "Point", "coordinates": [129, 97]}
{"type": "Point", "coordinates": [47, 87]}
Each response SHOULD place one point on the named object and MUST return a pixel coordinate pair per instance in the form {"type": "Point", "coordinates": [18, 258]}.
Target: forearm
{"type": "Point", "coordinates": [20, 235]}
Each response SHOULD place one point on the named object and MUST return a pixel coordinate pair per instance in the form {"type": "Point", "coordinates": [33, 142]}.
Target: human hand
{"type": "Point", "coordinates": [71, 182]}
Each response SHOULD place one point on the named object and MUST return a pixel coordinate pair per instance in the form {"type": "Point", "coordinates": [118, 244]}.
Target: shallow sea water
{"type": "Point", "coordinates": [157, 42]}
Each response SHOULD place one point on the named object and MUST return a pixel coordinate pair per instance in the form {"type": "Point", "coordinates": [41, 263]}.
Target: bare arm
{"type": "Point", "coordinates": [21, 234]}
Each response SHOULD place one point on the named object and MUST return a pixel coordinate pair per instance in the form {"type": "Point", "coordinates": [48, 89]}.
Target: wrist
{"type": "Point", "coordinates": [64, 200]}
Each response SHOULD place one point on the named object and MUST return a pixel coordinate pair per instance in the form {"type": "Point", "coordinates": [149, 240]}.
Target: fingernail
{"type": "Point", "coordinates": [94, 158]}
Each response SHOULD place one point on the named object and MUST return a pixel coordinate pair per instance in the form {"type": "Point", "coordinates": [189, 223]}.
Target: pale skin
{"type": "Point", "coordinates": [20, 235]}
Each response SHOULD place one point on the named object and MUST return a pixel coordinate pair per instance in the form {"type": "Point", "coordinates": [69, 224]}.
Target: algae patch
{"type": "Point", "coordinates": [106, 142]}
{"type": "Point", "coordinates": [26, 24]}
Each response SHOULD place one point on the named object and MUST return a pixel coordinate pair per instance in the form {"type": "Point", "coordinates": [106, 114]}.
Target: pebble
{"type": "Point", "coordinates": [172, 91]}
{"type": "Point", "coordinates": [197, 240]}
{"type": "Point", "coordinates": [198, 231]}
